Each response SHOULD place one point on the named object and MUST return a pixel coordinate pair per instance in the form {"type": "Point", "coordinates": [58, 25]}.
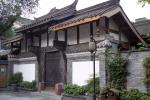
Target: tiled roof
{"type": "Point", "coordinates": [54, 14]}
{"type": "Point", "coordinates": [90, 12]}
{"type": "Point", "coordinates": [70, 11]}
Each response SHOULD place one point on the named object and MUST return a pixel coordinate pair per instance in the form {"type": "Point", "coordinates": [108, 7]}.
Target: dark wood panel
{"type": "Point", "coordinates": [52, 73]}
{"type": "Point", "coordinates": [3, 76]}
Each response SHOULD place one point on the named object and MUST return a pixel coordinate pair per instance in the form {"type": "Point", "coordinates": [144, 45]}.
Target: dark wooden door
{"type": "Point", "coordinates": [52, 73]}
{"type": "Point", "coordinates": [3, 76]}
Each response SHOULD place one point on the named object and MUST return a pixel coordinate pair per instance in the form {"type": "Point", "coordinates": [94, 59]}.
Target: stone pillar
{"type": "Point", "coordinates": [69, 72]}
{"type": "Point", "coordinates": [102, 67]}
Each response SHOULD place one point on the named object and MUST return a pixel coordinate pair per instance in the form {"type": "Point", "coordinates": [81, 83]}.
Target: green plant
{"type": "Point", "coordinates": [134, 94]}
{"type": "Point", "coordinates": [28, 85]}
{"type": "Point", "coordinates": [117, 71]}
{"type": "Point", "coordinates": [90, 83]}
{"type": "Point", "coordinates": [131, 95]}
{"type": "Point", "coordinates": [15, 79]}
{"type": "Point", "coordinates": [146, 81]}
{"type": "Point", "coordinates": [140, 46]}
{"type": "Point", "coordinates": [146, 62]}
{"type": "Point", "coordinates": [74, 90]}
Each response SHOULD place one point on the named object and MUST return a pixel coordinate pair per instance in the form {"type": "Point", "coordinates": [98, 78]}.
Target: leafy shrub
{"type": "Point", "coordinates": [146, 62]}
{"type": "Point", "coordinates": [146, 81]}
{"type": "Point", "coordinates": [140, 46]}
{"type": "Point", "coordinates": [134, 94]}
{"type": "Point", "coordinates": [74, 89]}
{"type": "Point", "coordinates": [15, 79]}
{"type": "Point", "coordinates": [89, 86]}
{"type": "Point", "coordinates": [28, 85]}
{"type": "Point", "coordinates": [117, 71]}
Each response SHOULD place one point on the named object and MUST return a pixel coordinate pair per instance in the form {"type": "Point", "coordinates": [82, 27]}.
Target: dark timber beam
{"type": "Point", "coordinates": [66, 36]}
{"type": "Point", "coordinates": [40, 40]}
{"type": "Point", "coordinates": [56, 35]}
{"type": "Point", "coordinates": [119, 37]}
{"type": "Point", "coordinates": [78, 34]}
{"type": "Point", "coordinates": [104, 23]}
{"type": "Point", "coordinates": [48, 37]}
{"type": "Point", "coordinates": [91, 28]}
{"type": "Point", "coordinates": [25, 36]}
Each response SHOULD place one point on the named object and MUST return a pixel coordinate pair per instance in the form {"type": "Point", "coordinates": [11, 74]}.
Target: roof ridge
{"type": "Point", "coordinates": [97, 6]}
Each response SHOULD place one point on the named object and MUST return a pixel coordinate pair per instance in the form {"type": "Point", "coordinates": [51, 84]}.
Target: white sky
{"type": "Point", "coordinates": [131, 7]}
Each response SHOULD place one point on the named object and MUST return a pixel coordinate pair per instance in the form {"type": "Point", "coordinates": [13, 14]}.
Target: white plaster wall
{"type": "Point", "coordinates": [112, 25]}
{"type": "Point", "coordinates": [27, 70]}
{"type": "Point", "coordinates": [82, 71]}
{"type": "Point", "coordinates": [61, 35]}
{"type": "Point", "coordinates": [124, 38]}
{"type": "Point", "coordinates": [44, 40]}
{"type": "Point", "coordinates": [84, 33]}
{"type": "Point", "coordinates": [72, 36]}
{"type": "Point", "coordinates": [36, 41]}
{"type": "Point", "coordinates": [51, 38]}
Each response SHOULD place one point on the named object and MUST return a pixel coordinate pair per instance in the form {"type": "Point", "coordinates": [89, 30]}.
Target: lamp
{"type": "Point", "coordinates": [92, 49]}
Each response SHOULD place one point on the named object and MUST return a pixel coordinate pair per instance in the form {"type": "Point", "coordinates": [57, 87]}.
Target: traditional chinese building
{"type": "Point", "coordinates": [51, 43]}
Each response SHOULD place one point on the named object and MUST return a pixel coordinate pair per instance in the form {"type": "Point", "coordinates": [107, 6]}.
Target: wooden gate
{"type": "Point", "coordinates": [3, 76]}
{"type": "Point", "coordinates": [52, 69]}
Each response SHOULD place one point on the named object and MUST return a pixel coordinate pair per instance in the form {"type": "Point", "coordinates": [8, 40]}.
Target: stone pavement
{"type": "Point", "coordinates": [28, 96]}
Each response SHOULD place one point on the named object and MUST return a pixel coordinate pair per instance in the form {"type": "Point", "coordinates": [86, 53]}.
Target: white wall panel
{"type": "Point", "coordinates": [61, 35]}
{"type": "Point", "coordinates": [82, 71]}
{"type": "Point", "coordinates": [44, 40]}
{"type": "Point", "coordinates": [72, 36]}
{"type": "Point", "coordinates": [84, 33]}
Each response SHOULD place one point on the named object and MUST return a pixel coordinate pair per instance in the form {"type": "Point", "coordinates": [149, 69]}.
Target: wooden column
{"type": "Point", "coordinates": [11, 46]}
{"type": "Point", "coordinates": [78, 34]}
{"type": "Point", "coordinates": [26, 43]}
{"type": "Point", "coordinates": [48, 37]}
{"type": "Point", "coordinates": [119, 37]}
{"type": "Point", "coordinates": [66, 37]}
{"type": "Point", "coordinates": [91, 28]}
{"type": "Point", "coordinates": [56, 35]}
{"type": "Point", "coordinates": [40, 40]}
{"type": "Point", "coordinates": [32, 42]}
{"type": "Point", "coordinates": [104, 24]}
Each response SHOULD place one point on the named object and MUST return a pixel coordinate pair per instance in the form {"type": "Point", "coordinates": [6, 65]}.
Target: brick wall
{"type": "Point", "coordinates": [136, 69]}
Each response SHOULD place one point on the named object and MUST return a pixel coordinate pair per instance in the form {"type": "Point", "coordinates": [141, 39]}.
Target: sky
{"type": "Point", "coordinates": [131, 7]}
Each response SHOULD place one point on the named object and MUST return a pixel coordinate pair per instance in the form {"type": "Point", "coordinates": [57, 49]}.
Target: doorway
{"type": "Point", "coordinates": [3, 76]}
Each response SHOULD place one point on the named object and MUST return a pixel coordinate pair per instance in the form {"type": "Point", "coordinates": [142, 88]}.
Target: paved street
{"type": "Point", "coordinates": [28, 96]}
